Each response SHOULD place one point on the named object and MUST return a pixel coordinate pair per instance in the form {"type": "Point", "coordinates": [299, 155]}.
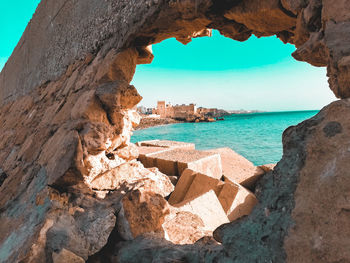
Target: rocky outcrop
{"type": "Point", "coordinates": [317, 27]}
{"type": "Point", "coordinates": [67, 113]}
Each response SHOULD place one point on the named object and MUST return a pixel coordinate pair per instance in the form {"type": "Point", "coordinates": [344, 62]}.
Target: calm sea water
{"type": "Point", "coordinates": [258, 136]}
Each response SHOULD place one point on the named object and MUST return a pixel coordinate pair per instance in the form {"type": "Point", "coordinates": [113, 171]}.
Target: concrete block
{"type": "Point", "coordinates": [236, 168]}
{"type": "Point", "coordinates": [202, 184]}
{"type": "Point", "coordinates": [168, 167]}
{"type": "Point", "coordinates": [208, 208]}
{"type": "Point", "coordinates": [236, 200]}
{"type": "Point", "coordinates": [145, 154]}
{"type": "Point", "coordinates": [182, 186]}
{"type": "Point", "coordinates": [174, 162]}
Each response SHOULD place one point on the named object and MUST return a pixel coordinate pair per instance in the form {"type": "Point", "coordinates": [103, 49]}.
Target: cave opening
{"type": "Point", "coordinates": [217, 73]}
{"type": "Point", "coordinates": [247, 142]}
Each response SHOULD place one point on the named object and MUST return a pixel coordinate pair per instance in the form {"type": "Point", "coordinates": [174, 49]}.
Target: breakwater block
{"type": "Point", "coordinates": [174, 162]}
{"type": "Point", "coordinates": [238, 169]}
{"type": "Point", "coordinates": [235, 200]}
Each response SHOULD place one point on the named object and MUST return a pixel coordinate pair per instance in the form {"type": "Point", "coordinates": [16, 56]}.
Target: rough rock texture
{"type": "Point", "coordinates": [183, 227]}
{"type": "Point", "coordinates": [65, 256]}
{"type": "Point", "coordinates": [321, 215]}
{"type": "Point", "coordinates": [66, 116]}
{"type": "Point", "coordinates": [141, 212]}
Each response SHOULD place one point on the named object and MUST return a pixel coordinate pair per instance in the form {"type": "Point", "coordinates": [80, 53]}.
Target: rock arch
{"type": "Point", "coordinates": [66, 118]}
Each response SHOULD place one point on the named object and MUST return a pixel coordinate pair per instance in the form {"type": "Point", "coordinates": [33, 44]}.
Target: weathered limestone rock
{"type": "Point", "coordinates": [145, 55]}
{"type": "Point", "coordinates": [207, 207]}
{"type": "Point", "coordinates": [128, 152]}
{"type": "Point", "coordinates": [265, 17]}
{"type": "Point", "coordinates": [88, 107]}
{"type": "Point", "coordinates": [133, 175]}
{"type": "Point", "coordinates": [65, 256]}
{"type": "Point", "coordinates": [148, 213]}
{"type": "Point", "coordinates": [174, 162]}
{"type": "Point", "coordinates": [332, 12]}
{"type": "Point", "coordinates": [117, 66]}
{"type": "Point", "coordinates": [141, 212]}
{"type": "Point", "coordinates": [116, 96]}
{"type": "Point", "coordinates": [183, 227]}
{"type": "Point", "coordinates": [58, 157]}
{"type": "Point", "coordinates": [96, 137]}
{"type": "Point", "coordinates": [236, 168]}
{"type": "Point", "coordinates": [294, 6]}
{"type": "Point", "coordinates": [150, 247]}
{"type": "Point", "coordinates": [97, 164]}
{"type": "Point", "coordinates": [321, 197]}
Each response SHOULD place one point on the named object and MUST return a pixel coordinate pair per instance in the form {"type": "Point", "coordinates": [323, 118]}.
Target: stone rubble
{"type": "Point", "coordinates": [201, 197]}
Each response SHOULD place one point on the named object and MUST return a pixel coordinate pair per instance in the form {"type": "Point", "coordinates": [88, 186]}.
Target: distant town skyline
{"type": "Point", "coordinates": [213, 72]}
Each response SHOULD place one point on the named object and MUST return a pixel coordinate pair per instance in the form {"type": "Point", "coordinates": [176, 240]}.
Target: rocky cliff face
{"type": "Point", "coordinates": [67, 113]}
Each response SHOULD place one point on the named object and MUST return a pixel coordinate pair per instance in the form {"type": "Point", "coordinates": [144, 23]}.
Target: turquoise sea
{"type": "Point", "coordinates": [256, 136]}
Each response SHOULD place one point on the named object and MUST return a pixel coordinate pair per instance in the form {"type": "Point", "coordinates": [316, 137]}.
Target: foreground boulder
{"type": "Point", "coordinates": [184, 227]}
{"type": "Point", "coordinates": [141, 212]}
{"type": "Point", "coordinates": [144, 213]}
{"type": "Point", "coordinates": [132, 175]}
{"type": "Point", "coordinates": [65, 256]}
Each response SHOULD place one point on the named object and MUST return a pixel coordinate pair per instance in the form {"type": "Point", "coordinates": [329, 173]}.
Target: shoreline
{"type": "Point", "coordinates": [154, 122]}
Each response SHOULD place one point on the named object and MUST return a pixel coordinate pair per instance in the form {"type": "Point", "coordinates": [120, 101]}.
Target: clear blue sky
{"type": "Point", "coordinates": [211, 72]}
{"type": "Point", "coordinates": [14, 17]}
{"type": "Point", "coordinates": [220, 72]}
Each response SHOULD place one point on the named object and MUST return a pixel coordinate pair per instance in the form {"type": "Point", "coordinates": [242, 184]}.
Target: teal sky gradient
{"type": "Point", "coordinates": [14, 18]}
{"type": "Point", "coordinates": [211, 71]}
{"type": "Point", "coordinates": [220, 72]}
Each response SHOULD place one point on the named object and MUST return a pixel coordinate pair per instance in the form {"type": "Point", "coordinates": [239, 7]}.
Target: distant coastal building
{"type": "Point", "coordinates": [207, 111]}
{"type": "Point", "coordinates": [176, 112]}
{"type": "Point", "coordinates": [187, 112]}
{"type": "Point", "coordinates": [144, 110]}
